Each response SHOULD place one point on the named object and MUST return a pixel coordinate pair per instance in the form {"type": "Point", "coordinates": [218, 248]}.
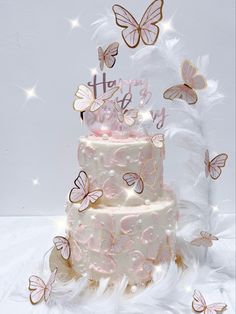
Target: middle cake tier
{"type": "Point", "coordinates": [107, 160]}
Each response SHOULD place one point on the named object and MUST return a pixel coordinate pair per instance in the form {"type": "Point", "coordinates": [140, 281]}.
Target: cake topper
{"type": "Point", "coordinates": [87, 100]}
{"type": "Point", "coordinates": [81, 193]}
{"type": "Point", "coordinates": [158, 140]}
{"type": "Point", "coordinates": [39, 289]}
{"type": "Point", "coordinates": [147, 30]}
{"type": "Point", "coordinates": [192, 80]}
{"type": "Point", "coordinates": [107, 57]}
{"type": "Point", "coordinates": [62, 245]}
{"type": "Point", "coordinates": [205, 239]}
{"type": "Point", "coordinates": [213, 167]}
{"type": "Point", "coordinates": [199, 305]}
{"type": "Point", "coordinates": [127, 116]}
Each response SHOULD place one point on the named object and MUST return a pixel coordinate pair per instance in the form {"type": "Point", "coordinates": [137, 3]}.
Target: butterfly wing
{"type": "Point", "coordinates": [101, 57]}
{"type": "Point", "coordinates": [122, 244]}
{"type": "Point", "coordinates": [215, 308]}
{"type": "Point", "coordinates": [48, 288]}
{"type": "Point", "coordinates": [110, 53]}
{"type": "Point", "coordinates": [130, 116]}
{"type": "Point", "coordinates": [131, 29]}
{"type": "Point", "coordinates": [134, 179]}
{"type": "Point", "coordinates": [92, 197]}
{"type": "Point", "coordinates": [158, 140]}
{"type": "Point", "coordinates": [216, 164]}
{"type": "Point", "coordinates": [202, 241]}
{"type": "Point", "coordinates": [190, 76]}
{"type": "Point", "coordinates": [149, 29]}
{"type": "Point", "coordinates": [84, 99]}
{"type": "Point", "coordinates": [102, 99]}
{"type": "Point", "coordinates": [62, 244]}
{"type": "Point", "coordinates": [81, 190]}
{"type": "Point", "coordinates": [37, 287]}
{"type": "Point", "coordinates": [183, 92]}
{"type": "Point", "coordinates": [207, 163]}
{"type": "Point", "coordinates": [199, 303]}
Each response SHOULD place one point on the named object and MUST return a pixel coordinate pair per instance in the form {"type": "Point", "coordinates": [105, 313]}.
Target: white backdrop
{"type": "Point", "coordinates": [39, 137]}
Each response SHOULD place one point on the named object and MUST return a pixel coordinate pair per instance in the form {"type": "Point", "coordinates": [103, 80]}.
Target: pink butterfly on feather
{"type": "Point", "coordinates": [39, 289]}
{"type": "Point", "coordinates": [205, 239]}
{"type": "Point", "coordinates": [213, 167]}
{"type": "Point", "coordinates": [199, 305]}
{"type": "Point", "coordinates": [81, 192]}
{"type": "Point", "coordinates": [107, 57]}
{"type": "Point", "coordinates": [192, 81]}
{"type": "Point", "coordinates": [62, 245]}
{"type": "Point", "coordinates": [146, 30]}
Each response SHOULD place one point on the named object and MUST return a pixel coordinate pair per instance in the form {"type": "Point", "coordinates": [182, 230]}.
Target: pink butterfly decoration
{"type": "Point", "coordinates": [158, 140]}
{"type": "Point", "coordinates": [62, 245]}
{"type": "Point", "coordinates": [192, 80]}
{"type": "Point", "coordinates": [81, 192]}
{"type": "Point", "coordinates": [142, 267]}
{"type": "Point", "coordinates": [105, 266]}
{"type": "Point", "coordinates": [199, 305]}
{"type": "Point", "coordinates": [205, 239]}
{"type": "Point", "coordinates": [39, 289]}
{"type": "Point", "coordinates": [149, 238]}
{"type": "Point", "coordinates": [135, 180]}
{"type": "Point", "coordinates": [127, 116]}
{"type": "Point", "coordinates": [147, 30]}
{"type": "Point", "coordinates": [111, 190]}
{"type": "Point", "coordinates": [107, 57]}
{"type": "Point", "coordinates": [213, 167]}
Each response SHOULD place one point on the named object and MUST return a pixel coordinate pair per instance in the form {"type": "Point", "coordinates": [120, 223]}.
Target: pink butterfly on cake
{"type": "Point", "coordinates": [81, 192]}
{"type": "Point", "coordinates": [87, 101]}
{"type": "Point", "coordinates": [142, 267]}
{"type": "Point", "coordinates": [39, 289]}
{"type": "Point", "coordinates": [158, 140]}
{"type": "Point", "coordinates": [146, 30]}
{"type": "Point", "coordinates": [107, 57]}
{"type": "Point", "coordinates": [192, 81]}
{"type": "Point", "coordinates": [213, 167]}
{"type": "Point", "coordinates": [62, 245]}
{"type": "Point", "coordinates": [127, 116]}
{"type": "Point", "coordinates": [199, 305]}
{"type": "Point", "coordinates": [135, 180]}
{"type": "Point", "coordinates": [205, 239]}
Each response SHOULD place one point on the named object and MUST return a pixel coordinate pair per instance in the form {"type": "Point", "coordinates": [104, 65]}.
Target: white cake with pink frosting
{"type": "Point", "coordinates": [130, 227]}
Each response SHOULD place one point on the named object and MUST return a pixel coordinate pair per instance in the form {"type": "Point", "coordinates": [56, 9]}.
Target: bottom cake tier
{"type": "Point", "coordinates": [117, 241]}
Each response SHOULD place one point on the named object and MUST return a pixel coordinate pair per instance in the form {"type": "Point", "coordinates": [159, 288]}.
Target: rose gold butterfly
{"type": "Point", "coordinates": [39, 289]}
{"type": "Point", "coordinates": [199, 305]}
{"type": "Point", "coordinates": [213, 167]}
{"type": "Point", "coordinates": [192, 80]}
{"type": "Point", "coordinates": [128, 116]}
{"type": "Point", "coordinates": [158, 140]}
{"type": "Point", "coordinates": [62, 245]}
{"type": "Point", "coordinates": [107, 57]}
{"type": "Point", "coordinates": [147, 30]}
{"type": "Point", "coordinates": [81, 192]}
{"type": "Point", "coordinates": [205, 239]}
{"type": "Point", "coordinates": [135, 180]}
{"type": "Point", "coordinates": [86, 99]}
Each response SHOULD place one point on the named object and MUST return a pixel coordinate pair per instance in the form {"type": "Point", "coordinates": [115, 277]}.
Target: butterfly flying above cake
{"type": "Point", "coordinates": [62, 245]}
{"type": "Point", "coordinates": [135, 180]}
{"type": "Point", "coordinates": [81, 192]}
{"type": "Point", "coordinates": [199, 305]}
{"type": "Point", "coordinates": [107, 57]}
{"type": "Point", "coordinates": [38, 288]}
{"type": "Point", "coordinates": [146, 30]}
{"type": "Point", "coordinates": [127, 116]}
{"type": "Point", "coordinates": [87, 101]}
{"type": "Point", "coordinates": [214, 167]}
{"type": "Point", "coordinates": [192, 81]}
{"type": "Point", "coordinates": [206, 239]}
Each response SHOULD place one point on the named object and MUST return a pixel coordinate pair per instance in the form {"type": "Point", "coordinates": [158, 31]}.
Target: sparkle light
{"type": "Point", "coordinates": [167, 26]}
{"type": "Point", "coordinates": [145, 115]}
{"type": "Point", "coordinates": [30, 92]}
{"type": "Point", "coordinates": [158, 269]}
{"type": "Point", "coordinates": [74, 23]}
{"type": "Point", "coordinates": [188, 289]}
{"type": "Point", "coordinates": [215, 208]}
{"type": "Point", "coordinates": [35, 181]}
{"type": "Point", "coordinates": [94, 71]}
{"type": "Point", "coordinates": [130, 193]}
{"type": "Point", "coordinates": [60, 223]}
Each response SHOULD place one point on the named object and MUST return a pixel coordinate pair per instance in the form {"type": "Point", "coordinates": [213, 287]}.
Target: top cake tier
{"type": "Point", "coordinates": [109, 163]}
